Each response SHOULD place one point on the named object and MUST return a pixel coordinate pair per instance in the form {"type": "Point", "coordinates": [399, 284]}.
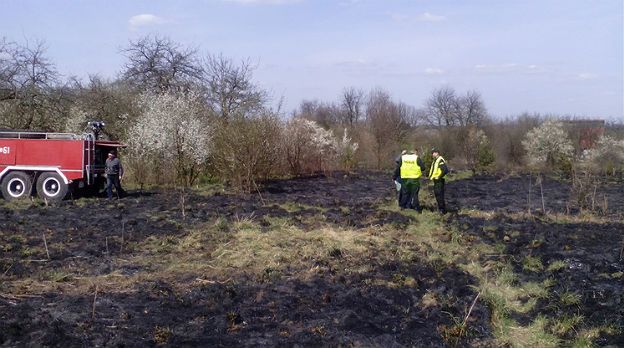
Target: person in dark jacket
{"type": "Point", "coordinates": [397, 179]}
{"type": "Point", "coordinates": [114, 174]}
{"type": "Point", "coordinates": [436, 174]}
{"type": "Point", "coordinates": [409, 169]}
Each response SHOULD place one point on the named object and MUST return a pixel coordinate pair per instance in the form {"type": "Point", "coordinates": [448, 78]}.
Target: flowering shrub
{"type": "Point", "coordinates": [308, 147]}
{"type": "Point", "coordinates": [607, 156]}
{"type": "Point", "coordinates": [548, 144]}
{"type": "Point", "coordinates": [345, 151]}
{"type": "Point", "coordinates": [170, 129]}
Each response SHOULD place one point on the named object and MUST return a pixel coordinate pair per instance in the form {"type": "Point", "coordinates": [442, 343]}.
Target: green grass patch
{"type": "Point", "coordinates": [532, 264]}
{"type": "Point", "coordinates": [568, 299]}
{"type": "Point", "coordinates": [566, 324]}
{"type": "Point", "coordinates": [556, 266]}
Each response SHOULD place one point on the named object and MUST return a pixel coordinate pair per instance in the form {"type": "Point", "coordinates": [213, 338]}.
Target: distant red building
{"type": "Point", "coordinates": [586, 132]}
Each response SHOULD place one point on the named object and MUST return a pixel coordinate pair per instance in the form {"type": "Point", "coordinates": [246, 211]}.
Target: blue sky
{"type": "Point", "coordinates": [551, 56]}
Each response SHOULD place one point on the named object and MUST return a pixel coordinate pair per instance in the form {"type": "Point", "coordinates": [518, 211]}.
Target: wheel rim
{"type": "Point", "coordinates": [16, 187]}
{"type": "Point", "coordinates": [51, 187]}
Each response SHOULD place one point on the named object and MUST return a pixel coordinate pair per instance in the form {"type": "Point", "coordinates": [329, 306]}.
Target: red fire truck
{"type": "Point", "coordinates": [52, 163]}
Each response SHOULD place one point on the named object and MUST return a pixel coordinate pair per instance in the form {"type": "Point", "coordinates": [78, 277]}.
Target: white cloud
{"type": "Point", "coordinates": [428, 17]}
{"type": "Point", "coordinates": [434, 71]}
{"type": "Point", "coordinates": [350, 2]}
{"type": "Point", "coordinates": [399, 17]}
{"type": "Point", "coordinates": [586, 76]}
{"type": "Point", "coordinates": [357, 63]}
{"type": "Point", "coordinates": [264, 2]}
{"type": "Point", "coordinates": [146, 19]}
{"type": "Point", "coordinates": [509, 68]}
{"type": "Point", "coordinates": [357, 66]}
{"type": "Point", "coordinates": [425, 17]}
{"type": "Point", "coordinates": [492, 68]}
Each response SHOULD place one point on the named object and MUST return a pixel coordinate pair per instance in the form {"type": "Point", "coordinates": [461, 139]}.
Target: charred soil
{"type": "Point", "coordinates": [113, 276]}
{"type": "Point", "coordinates": [324, 260]}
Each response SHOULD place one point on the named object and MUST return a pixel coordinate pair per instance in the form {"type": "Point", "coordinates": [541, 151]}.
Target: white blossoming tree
{"type": "Point", "coordinates": [548, 144]}
{"type": "Point", "coordinates": [308, 146]}
{"type": "Point", "coordinates": [607, 156]}
{"type": "Point", "coordinates": [170, 129]}
{"type": "Point", "coordinates": [76, 121]}
{"type": "Point", "coordinates": [297, 143]}
{"type": "Point", "coordinates": [345, 151]}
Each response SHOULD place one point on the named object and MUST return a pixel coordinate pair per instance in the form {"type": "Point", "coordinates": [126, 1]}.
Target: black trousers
{"type": "Point", "coordinates": [408, 198]}
{"type": "Point", "coordinates": [438, 191]}
{"type": "Point", "coordinates": [113, 180]}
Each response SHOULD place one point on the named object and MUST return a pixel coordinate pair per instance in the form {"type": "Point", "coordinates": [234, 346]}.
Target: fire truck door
{"type": "Point", "coordinates": [7, 152]}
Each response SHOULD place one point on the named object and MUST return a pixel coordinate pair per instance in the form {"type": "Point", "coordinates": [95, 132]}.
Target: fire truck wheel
{"type": "Point", "coordinates": [16, 185]}
{"type": "Point", "coordinates": [51, 186]}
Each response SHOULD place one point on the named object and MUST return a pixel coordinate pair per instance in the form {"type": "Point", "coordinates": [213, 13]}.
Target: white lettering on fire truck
{"type": "Point", "coordinates": [5, 150]}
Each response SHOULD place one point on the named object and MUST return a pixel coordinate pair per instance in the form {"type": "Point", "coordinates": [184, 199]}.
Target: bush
{"type": "Point", "coordinates": [506, 139]}
{"type": "Point", "coordinates": [345, 152]}
{"type": "Point", "coordinates": [607, 157]}
{"type": "Point", "coordinates": [477, 150]}
{"type": "Point", "coordinates": [247, 150]}
{"type": "Point", "coordinates": [548, 144]}
{"type": "Point", "coordinates": [170, 134]}
{"type": "Point", "coordinates": [307, 148]}
{"type": "Point", "coordinates": [486, 157]}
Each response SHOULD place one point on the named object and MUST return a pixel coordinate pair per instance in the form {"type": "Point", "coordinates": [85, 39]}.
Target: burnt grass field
{"type": "Point", "coordinates": [316, 261]}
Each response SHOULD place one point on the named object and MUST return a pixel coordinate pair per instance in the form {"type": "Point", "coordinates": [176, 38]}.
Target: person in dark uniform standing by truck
{"type": "Point", "coordinates": [114, 174]}
{"type": "Point", "coordinates": [409, 169]}
{"type": "Point", "coordinates": [396, 177]}
{"type": "Point", "coordinates": [436, 174]}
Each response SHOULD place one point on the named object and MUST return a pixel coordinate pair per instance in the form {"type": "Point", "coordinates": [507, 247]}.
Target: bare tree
{"type": "Point", "coordinates": [472, 111]}
{"type": "Point", "coordinates": [230, 87]}
{"type": "Point", "coordinates": [157, 64]}
{"type": "Point", "coordinates": [442, 107]}
{"type": "Point", "coordinates": [388, 123]}
{"type": "Point", "coordinates": [352, 100]}
{"type": "Point", "coordinates": [29, 91]}
{"type": "Point", "coordinates": [8, 70]}
{"type": "Point", "coordinates": [113, 102]}
{"type": "Point", "coordinates": [325, 114]}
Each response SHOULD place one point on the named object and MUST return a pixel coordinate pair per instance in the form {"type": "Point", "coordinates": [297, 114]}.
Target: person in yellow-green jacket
{"type": "Point", "coordinates": [409, 169]}
{"type": "Point", "coordinates": [436, 174]}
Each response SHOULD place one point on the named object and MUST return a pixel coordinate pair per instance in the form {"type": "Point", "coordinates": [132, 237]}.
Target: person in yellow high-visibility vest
{"type": "Point", "coordinates": [409, 169]}
{"type": "Point", "coordinates": [436, 174]}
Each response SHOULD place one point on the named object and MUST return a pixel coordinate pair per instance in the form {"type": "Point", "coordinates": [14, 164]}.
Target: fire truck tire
{"type": "Point", "coordinates": [16, 185]}
{"type": "Point", "coordinates": [51, 186]}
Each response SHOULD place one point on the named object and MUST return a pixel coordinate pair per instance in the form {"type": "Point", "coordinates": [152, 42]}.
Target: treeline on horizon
{"type": "Point", "coordinates": [189, 117]}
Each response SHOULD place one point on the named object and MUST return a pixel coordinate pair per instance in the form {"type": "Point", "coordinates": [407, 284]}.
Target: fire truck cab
{"type": "Point", "coordinates": [51, 164]}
